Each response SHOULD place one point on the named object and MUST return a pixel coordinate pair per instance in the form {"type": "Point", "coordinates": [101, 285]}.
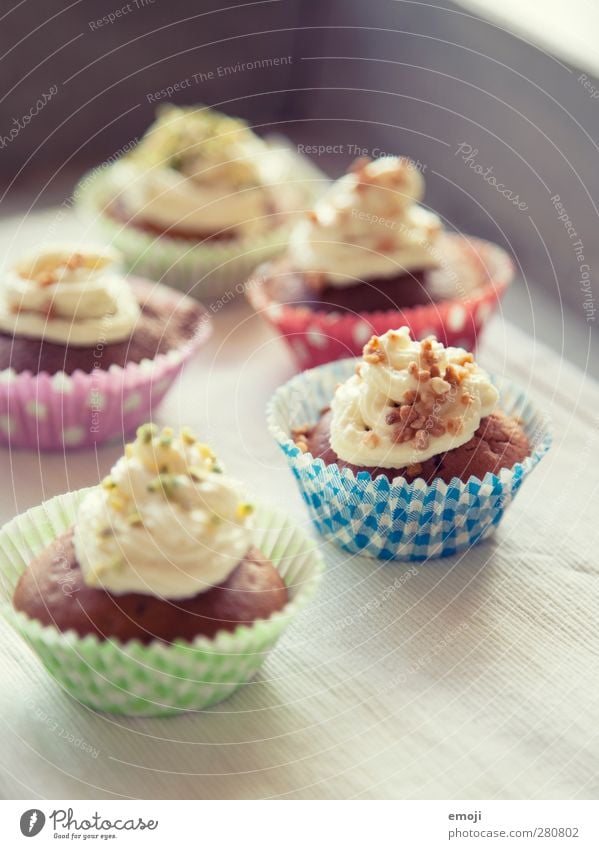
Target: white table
{"type": "Point", "coordinates": [477, 678]}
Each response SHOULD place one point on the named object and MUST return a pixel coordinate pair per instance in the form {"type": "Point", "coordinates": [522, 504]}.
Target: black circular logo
{"type": "Point", "coordinates": [32, 822]}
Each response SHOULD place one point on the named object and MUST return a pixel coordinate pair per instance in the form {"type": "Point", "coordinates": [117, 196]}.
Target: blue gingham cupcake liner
{"type": "Point", "coordinates": [397, 520]}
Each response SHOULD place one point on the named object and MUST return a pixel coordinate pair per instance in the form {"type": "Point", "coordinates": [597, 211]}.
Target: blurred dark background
{"type": "Point", "coordinates": [384, 76]}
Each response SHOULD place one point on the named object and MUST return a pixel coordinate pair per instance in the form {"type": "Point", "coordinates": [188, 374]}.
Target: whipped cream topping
{"type": "Point", "coordinates": [408, 401]}
{"type": "Point", "coordinates": [199, 171]}
{"type": "Point", "coordinates": [68, 294]}
{"type": "Point", "coordinates": [165, 522]}
{"type": "Point", "coordinates": [368, 225]}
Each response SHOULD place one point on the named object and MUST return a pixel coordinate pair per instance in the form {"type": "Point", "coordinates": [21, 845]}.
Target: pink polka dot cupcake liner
{"type": "Point", "coordinates": [60, 411]}
{"type": "Point", "coordinates": [315, 338]}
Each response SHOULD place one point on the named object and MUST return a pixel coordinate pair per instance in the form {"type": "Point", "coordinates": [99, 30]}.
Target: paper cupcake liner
{"type": "Point", "coordinates": [206, 271]}
{"type": "Point", "coordinates": [399, 520]}
{"type": "Point", "coordinates": [316, 337]}
{"type": "Point", "coordinates": [155, 679]}
{"type": "Point", "coordinates": [58, 411]}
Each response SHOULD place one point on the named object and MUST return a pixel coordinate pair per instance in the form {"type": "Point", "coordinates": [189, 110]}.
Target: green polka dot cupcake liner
{"type": "Point", "coordinates": [209, 270]}
{"type": "Point", "coordinates": [156, 679]}
{"type": "Point", "coordinates": [61, 411]}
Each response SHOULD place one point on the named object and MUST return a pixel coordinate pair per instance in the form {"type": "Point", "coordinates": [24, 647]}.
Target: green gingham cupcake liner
{"type": "Point", "coordinates": [209, 270]}
{"type": "Point", "coordinates": [397, 520]}
{"type": "Point", "coordinates": [157, 679]}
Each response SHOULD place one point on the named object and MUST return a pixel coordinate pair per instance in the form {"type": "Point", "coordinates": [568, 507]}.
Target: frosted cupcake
{"type": "Point", "coordinates": [199, 201]}
{"type": "Point", "coordinates": [85, 351]}
{"type": "Point", "coordinates": [370, 257]}
{"type": "Point", "coordinates": [166, 559]}
{"type": "Point", "coordinates": [414, 454]}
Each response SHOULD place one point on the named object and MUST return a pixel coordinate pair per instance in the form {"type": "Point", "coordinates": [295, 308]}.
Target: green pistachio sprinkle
{"type": "Point", "coordinates": [165, 484]}
{"type": "Point", "coordinates": [134, 519]}
{"type": "Point", "coordinates": [146, 432]}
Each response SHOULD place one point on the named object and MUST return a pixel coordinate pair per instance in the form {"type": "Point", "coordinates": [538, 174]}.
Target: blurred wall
{"type": "Point", "coordinates": [473, 103]}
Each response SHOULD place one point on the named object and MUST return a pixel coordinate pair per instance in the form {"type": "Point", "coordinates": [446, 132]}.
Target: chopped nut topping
{"type": "Point", "coordinates": [422, 440]}
{"type": "Point", "coordinates": [385, 244]}
{"type": "Point", "coordinates": [414, 469]}
{"type": "Point", "coordinates": [373, 352]}
{"type": "Point", "coordinates": [46, 278]}
{"type": "Point", "coordinates": [455, 426]}
{"type": "Point", "coordinates": [440, 386]}
{"type": "Point", "coordinates": [371, 439]}
{"type": "Point", "coordinates": [359, 164]}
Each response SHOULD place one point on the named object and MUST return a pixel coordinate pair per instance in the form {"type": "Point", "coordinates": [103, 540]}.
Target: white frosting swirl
{"type": "Point", "coordinates": [68, 294]}
{"type": "Point", "coordinates": [166, 522]}
{"type": "Point", "coordinates": [408, 401]}
{"type": "Point", "coordinates": [198, 171]}
{"type": "Point", "coordinates": [368, 225]}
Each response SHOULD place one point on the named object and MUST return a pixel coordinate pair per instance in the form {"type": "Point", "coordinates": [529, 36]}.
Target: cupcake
{"type": "Point", "coordinates": [199, 201]}
{"type": "Point", "coordinates": [167, 563]}
{"type": "Point", "coordinates": [410, 453]}
{"type": "Point", "coordinates": [370, 257]}
{"type": "Point", "coordinates": [84, 351]}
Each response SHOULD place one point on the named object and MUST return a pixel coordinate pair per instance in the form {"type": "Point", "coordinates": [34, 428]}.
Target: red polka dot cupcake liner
{"type": "Point", "coordinates": [61, 411]}
{"type": "Point", "coordinates": [316, 337]}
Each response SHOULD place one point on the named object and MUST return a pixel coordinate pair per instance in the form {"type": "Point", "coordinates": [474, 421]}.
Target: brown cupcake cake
{"type": "Point", "coordinates": [416, 410]}
{"type": "Point", "coordinates": [369, 246]}
{"type": "Point", "coordinates": [161, 551]}
{"type": "Point", "coordinates": [200, 176]}
{"type": "Point", "coordinates": [64, 304]}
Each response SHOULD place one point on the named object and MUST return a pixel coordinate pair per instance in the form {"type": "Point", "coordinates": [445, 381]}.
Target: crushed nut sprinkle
{"type": "Point", "coordinates": [371, 439]}
{"type": "Point", "coordinates": [373, 352]}
{"type": "Point", "coordinates": [417, 418]}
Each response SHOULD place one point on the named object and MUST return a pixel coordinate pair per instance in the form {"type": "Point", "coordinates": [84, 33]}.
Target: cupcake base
{"type": "Point", "coordinates": [315, 337]}
{"type": "Point", "coordinates": [157, 331]}
{"type": "Point", "coordinates": [156, 679]}
{"type": "Point", "coordinates": [53, 592]}
{"type": "Point", "coordinates": [500, 442]}
{"type": "Point", "coordinates": [399, 519]}
{"type": "Point", "coordinates": [48, 412]}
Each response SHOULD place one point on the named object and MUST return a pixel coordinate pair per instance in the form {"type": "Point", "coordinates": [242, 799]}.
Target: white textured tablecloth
{"type": "Point", "coordinates": [470, 677]}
